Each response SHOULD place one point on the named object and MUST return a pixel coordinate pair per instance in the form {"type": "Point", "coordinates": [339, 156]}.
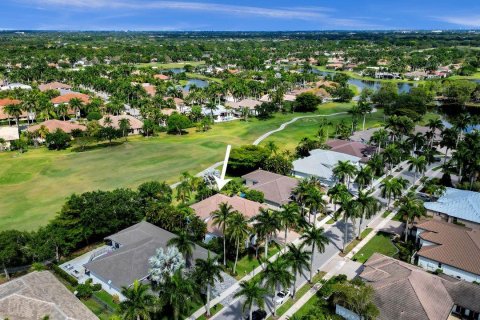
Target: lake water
{"type": "Point", "coordinates": [176, 70]}
{"type": "Point", "coordinates": [197, 82]}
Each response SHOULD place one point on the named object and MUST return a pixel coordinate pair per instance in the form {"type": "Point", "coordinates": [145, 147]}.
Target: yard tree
{"type": "Point", "coordinates": [316, 238]}
{"type": "Point", "coordinates": [185, 245]}
{"type": "Point", "coordinates": [124, 127]}
{"type": "Point", "coordinates": [459, 91]}
{"type": "Point", "coordinates": [58, 140]}
{"type": "Point", "coordinates": [164, 264]}
{"type": "Point", "coordinates": [154, 191]}
{"type": "Point", "coordinates": [207, 272]}
{"type": "Point", "coordinates": [253, 294]}
{"type": "Point", "coordinates": [139, 304]}
{"type": "Point", "coordinates": [246, 158]}
{"type": "Point", "coordinates": [221, 218]}
{"type": "Point", "coordinates": [12, 243]}
{"type": "Point", "coordinates": [238, 231]}
{"type": "Point", "coordinates": [108, 133]}
{"type": "Point", "coordinates": [357, 297]}
{"type": "Point", "coordinates": [276, 275]}
{"type": "Point", "coordinates": [177, 294]}
{"type": "Point", "coordinates": [278, 163]}
{"type": "Point", "coordinates": [148, 127]}
{"type": "Point", "coordinates": [367, 206]}
{"type": "Point", "coordinates": [177, 123]}
{"type": "Point", "coordinates": [289, 217]}
{"type": "Point", "coordinates": [307, 102]}
{"type": "Point", "coordinates": [299, 261]}
{"type": "Point", "coordinates": [410, 207]}
{"type": "Point", "coordinates": [265, 224]}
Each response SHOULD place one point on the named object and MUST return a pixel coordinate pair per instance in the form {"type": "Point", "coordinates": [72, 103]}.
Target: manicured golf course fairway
{"type": "Point", "coordinates": [34, 185]}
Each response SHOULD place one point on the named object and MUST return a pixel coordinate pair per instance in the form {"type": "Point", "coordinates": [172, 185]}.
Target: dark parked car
{"type": "Point", "coordinates": [258, 314]}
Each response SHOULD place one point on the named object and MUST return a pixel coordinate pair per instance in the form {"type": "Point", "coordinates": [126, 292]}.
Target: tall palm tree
{"type": "Point", "coordinates": [410, 207]}
{"type": "Point", "coordinates": [62, 109]}
{"type": "Point", "coordinates": [364, 177]}
{"type": "Point", "coordinates": [344, 171]}
{"type": "Point", "coordinates": [138, 303]}
{"type": "Point", "coordinates": [392, 188]}
{"type": "Point", "coordinates": [76, 104]}
{"type": "Point", "coordinates": [379, 138]}
{"type": "Point", "coordinates": [238, 230]}
{"type": "Point", "coordinates": [418, 165]}
{"type": "Point", "coordinates": [212, 106]}
{"type": "Point", "coordinates": [289, 217]}
{"type": "Point", "coordinates": [299, 261]}
{"type": "Point", "coordinates": [276, 275]}
{"type": "Point", "coordinates": [350, 212]}
{"type": "Point", "coordinates": [265, 224]}
{"type": "Point", "coordinates": [208, 271]}
{"type": "Point", "coordinates": [15, 111]}
{"type": "Point", "coordinates": [124, 126]}
{"type": "Point", "coordinates": [417, 141]}
{"type": "Point", "coordinates": [220, 218]}
{"type": "Point", "coordinates": [177, 293]}
{"type": "Point", "coordinates": [300, 193]}
{"type": "Point", "coordinates": [185, 245]}
{"type": "Point", "coordinates": [253, 294]}
{"type": "Point", "coordinates": [316, 238]}
{"type": "Point", "coordinates": [367, 206]}
{"type": "Point", "coordinates": [337, 193]}
{"type": "Point", "coordinates": [391, 155]}
{"type": "Point", "coordinates": [184, 191]}
{"type": "Point", "coordinates": [314, 201]}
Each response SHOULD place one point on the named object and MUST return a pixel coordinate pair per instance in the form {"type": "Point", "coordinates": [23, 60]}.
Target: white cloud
{"type": "Point", "coordinates": [466, 21]}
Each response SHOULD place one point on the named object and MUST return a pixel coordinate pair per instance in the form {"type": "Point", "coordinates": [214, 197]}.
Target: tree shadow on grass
{"type": "Point", "coordinates": [97, 146]}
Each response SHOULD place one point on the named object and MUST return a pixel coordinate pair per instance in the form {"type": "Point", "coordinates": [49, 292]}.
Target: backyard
{"type": "Point", "coordinates": [35, 184]}
{"type": "Point", "coordinates": [380, 243]}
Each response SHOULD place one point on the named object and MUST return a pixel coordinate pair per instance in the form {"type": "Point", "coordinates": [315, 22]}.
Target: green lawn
{"type": "Point", "coordinates": [34, 185]}
{"type": "Point", "coordinates": [380, 243]}
{"type": "Point", "coordinates": [249, 262]}
{"type": "Point", "coordinates": [308, 127]}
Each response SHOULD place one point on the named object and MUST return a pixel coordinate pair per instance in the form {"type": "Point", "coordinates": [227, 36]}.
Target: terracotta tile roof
{"type": "Point", "coordinates": [456, 246]}
{"type": "Point", "coordinates": [53, 86]}
{"type": "Point", "coordinates": [249, 103]}
{"type": "Point", "coordinates": [69, 96]}
{"type": "Point", "coordinates": [205, 208]}
{"type": "Point", "coordinates": [38, 294]}
{"type": "Point", "coordinates": [134, 122]}
{"type": "Point", "coordinates": [9, 133]}
{"type": "Point", "coordinates": [151, 90]}
{"type": "Point", "coordinates": [353, 148]}
{"type": "Point", "coordinates": [404, 291]}
{"type": "Point", "coordinates": [161, 77]}
{"type": "Point", "coordinates": [53, 125]}
{"type": "Point", "coordinates": [6, 102]}
{"type": "Point", "coordinates": [275, 187]}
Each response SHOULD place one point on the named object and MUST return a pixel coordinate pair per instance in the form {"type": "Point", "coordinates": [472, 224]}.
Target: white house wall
{"type": "Point", "coordinates": [432, 265]}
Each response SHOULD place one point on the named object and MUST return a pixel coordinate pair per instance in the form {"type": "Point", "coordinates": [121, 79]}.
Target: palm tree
{"type": "Point", "coordinates": [391, 155]}
{"type": "Point", "coordinates": [418, 164]}
{"type": "Point", "coordinates": [364, 177]}
{"type": "Point", "coordinates": [417, 141]}
{"type": "Point", "coordinates": [14, 111]}
{"type": "Point", "coordinates": [253, 294]}
{"type": "Point", "coordinates": [276, 275]}
{"type": "Point", "coordinates": [177, 293]}
{"type": "Point", "coordinates": [344, 171]}
{"type": "Point", "coordinates": [220, 218]}
{"type": "Point", "coordinates": [337, 193]}
{"type": "Point", "coordinates": [316, 238]}
{"type": "Point", "coordinates": [379, 137]}
{"type": "Point", "coordinates": [265, 224]}
{"type": "Point", "coordinates": [62, 109]}
{"type": "Point", "coordinates": [76, 104]}
{"type": "Point", "coordinates": [350, 211]}
{"type": "Point", "coordinates": [392, 188]}
{"type": "Point", "coordinates": [138, 303]}
{"type": "Point", "coordinates": [208, 271]}
{"type": "Point", "coordinates": [183, 191]}
{"type": "Point", "coordinates": [434, 125]}
{"type": "Point", "coordinates": [367, 206]}
{"type": "Point", "coordinates": [185, 245]}
{"type": "Point", "coordinates": [300, 193]}
{"type": "Point", "coordinates": [299, 260]}
{"type": "Point", "coordinates": [212, 106]}
{"type": "Point", "coordinates": [124, 126]}
{"type": "Point", "coordinates": [238, 230]}
{"type": "Point", "coordinates": [272, 147]}
{"type": "Point", "coordinates": [289, 217]}
{"type": "Point", "coordinates": [410, 207]}
{"type": "Point", "coordinates": [314, 201]}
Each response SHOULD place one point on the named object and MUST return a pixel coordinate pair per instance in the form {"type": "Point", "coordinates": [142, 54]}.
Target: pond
{"type": "Point", "coordinates": [197, 82]}
{"type": "Point", "coordinates": [175, 70]}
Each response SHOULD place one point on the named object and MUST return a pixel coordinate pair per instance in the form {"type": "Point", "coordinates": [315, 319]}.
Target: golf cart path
{"type": "Point", "coordinates": [285, 124]}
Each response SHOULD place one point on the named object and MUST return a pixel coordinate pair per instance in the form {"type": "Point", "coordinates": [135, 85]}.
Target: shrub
{"type": "Point", "coordinates": [116, 299]}
{"type": "Point", "coordinates": [57, 140]}
{"type": "Point", "coordinates": [94, 116]}
{"type": "Point", "coordinates": [97, 287]}
{"type": "Point", "coordinates": [84, 291]}
{"type": "Point", "coordinates": [255, 195]}
{"type": "Point", "coordinates": [37, 266]}
{"type": "Point", "coordinates": [64, 275]}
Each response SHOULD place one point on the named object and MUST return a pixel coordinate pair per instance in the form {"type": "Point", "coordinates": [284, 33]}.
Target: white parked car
{"type": "Point", "coordinates": [281, 297]}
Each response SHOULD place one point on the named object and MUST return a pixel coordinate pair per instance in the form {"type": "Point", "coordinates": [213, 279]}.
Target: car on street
{"type": "Point", "coordinates": [281, 297]}
{"type": "Point", "coordinates": [258, 314]}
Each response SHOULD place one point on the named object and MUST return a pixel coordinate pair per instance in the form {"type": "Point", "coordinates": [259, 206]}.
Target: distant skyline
{"type": "Point", "coordinates": [240, 15]}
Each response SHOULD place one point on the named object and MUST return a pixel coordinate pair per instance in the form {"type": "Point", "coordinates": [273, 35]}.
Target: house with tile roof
{"type": "Point", "coordinates": [407, 292]}
{"type": "Point", "coordinates": [6, 102]}
{"type": "Point", "coordinates": [8, 134]}
{"type": "Point", "coordinates": [54, 86]}
{"type": "Point", "coordinates": [276, 188]}
{"type": "Point", "coordinates": [37, 295]}
{"type": "Point", "coordinates": [126, 259]}
{"type": "Point", "coordinates": [53, 124]}
{"type": "Point", "coordinates": [136, 125]}
{"type": "Point", "coordinates": [353, 148]}
{"type": "Point", "coordinates": [457, 206]}
{"type": "Point", "coordinates": [320, 164]}
{"type": "Point", "coordinates": [451, 248]}
{"type": "Point", "coordinates": [205, 209]}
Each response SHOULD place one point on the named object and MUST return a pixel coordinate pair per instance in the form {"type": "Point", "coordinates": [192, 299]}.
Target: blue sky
{"type": "Point", "coordinates": [247, 15]}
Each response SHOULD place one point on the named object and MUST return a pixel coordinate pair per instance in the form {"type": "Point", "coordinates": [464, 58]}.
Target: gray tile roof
{"type": "Point", "coordinates": [462, 204]}
{"type": "Point", "coordinates": [39, 294]}
{"type": "Point", "coordinates": [321, 162]}
{"type": "Point", "coordinates": [138, 243]}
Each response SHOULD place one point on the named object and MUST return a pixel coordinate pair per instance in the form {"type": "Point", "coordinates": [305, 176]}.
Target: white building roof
{"type": "Point", "coordinates": [9, 133]}
{"type": "Point", "coordinates": [462, 204]}
{"type": "Point", "coordinates": [321, 162]}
